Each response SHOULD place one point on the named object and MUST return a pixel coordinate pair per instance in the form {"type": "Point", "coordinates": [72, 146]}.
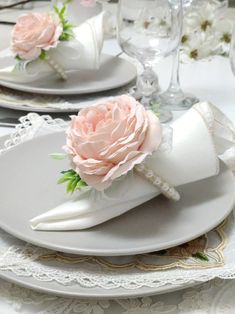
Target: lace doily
{"type": "Point", "coordinates": [151, 270]}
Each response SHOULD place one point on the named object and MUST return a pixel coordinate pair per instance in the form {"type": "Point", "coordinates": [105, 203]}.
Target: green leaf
{"type": "Point", "coordinates": [58, 156]}
{"type": "Point", "coordinates": [67, 176]}
{"type": "Point", "coordinates": [62, 11]}
{"type": "Point", "coordinates": [202, 256]}
{"type": "Point", "coordinates": [18, 58]}
{"type": "Point", "coordinates": [69, 186]}
{"type": "Point", "coordinates": [66, 171]}
{"type": "Point", "coordinates": [67, 33]}
{"type": "Point", "coordinates": [74, 184]}
{"type": "Point", "coordinates": [65, 179]}
{"type": "Point", "coordinates": [64, 37]}
{"type": "Point", "coordinates": [56, 10]}
{"type": "Point", "coordinates": [81, 184]}
{"type": "Point", "coordinates": [43, 55]}
{"type": "Point", "coordinates": [73, 180]}
{"type": "Point", "coordinates": [70, 171]}
{"type": "Point", "coordinates": [68, 26]}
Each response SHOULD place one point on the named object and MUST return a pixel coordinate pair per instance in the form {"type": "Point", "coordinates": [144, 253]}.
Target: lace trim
{"type": "Point", "coordinates": [222, 130]}
{"type": "Point", "coordinates": [29, 126]}
{"type": "Point", "coordinates": [207, 116]}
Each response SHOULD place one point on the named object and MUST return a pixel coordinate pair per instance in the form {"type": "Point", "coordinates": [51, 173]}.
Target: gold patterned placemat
{"type": "Point", "coordinates": [204, 252]}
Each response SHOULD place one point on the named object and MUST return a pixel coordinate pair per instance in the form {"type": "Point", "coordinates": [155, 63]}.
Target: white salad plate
{"type": "Point", "coordinates": [114, 72]}
{"type": "Point", "coordinates": [28, 187]}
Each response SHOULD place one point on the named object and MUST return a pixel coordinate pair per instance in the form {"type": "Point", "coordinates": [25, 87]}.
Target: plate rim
{"type": "Point", "coordinates": [98, 252]}
{"type": "Point", "coordinates": [39, 110]}
{"type": "Point", "coordinates": [40, 91]}
{"type": "Point", "coordinates": [37, 285]}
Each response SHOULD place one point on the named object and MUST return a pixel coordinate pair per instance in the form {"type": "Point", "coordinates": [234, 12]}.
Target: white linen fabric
{"type": "Point", "coordinates": [199, 136]}
{"type": "Point", "coordinates": [81, 53]}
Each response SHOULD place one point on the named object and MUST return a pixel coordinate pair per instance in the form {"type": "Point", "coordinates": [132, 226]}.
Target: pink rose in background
{"type": "Point", "coordinates": [88, 3]}
{"type": "Point", "coordinates": [109, 139]}
{"type": "Point", "coordinates": [34, 32]}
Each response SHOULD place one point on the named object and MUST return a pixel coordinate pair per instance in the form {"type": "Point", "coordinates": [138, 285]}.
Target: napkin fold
{"type": "Point", "coordinates": [200, 137]}
{"type": "Point", "coordinates": [81, 53]}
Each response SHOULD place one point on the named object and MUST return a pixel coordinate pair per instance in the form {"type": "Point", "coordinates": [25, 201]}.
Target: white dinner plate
{"type": "Point", "coordinates": [114, 72]}
{"type": "Point", "coordinates": [28, 188]}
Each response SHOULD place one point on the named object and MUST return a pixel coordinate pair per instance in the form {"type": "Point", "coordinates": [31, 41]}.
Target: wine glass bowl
{"type": "Point", "coordinates": [149, 30]}
{"type": "Point", "coordinates": [148, 34]}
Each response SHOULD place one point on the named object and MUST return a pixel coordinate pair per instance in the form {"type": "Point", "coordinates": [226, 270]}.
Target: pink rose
{"type": "Point", "coordinates": [109, 139]}
{"type": "Point", "coordinates": [34, 32]}
{"type": "Point", "coordinates": [88, 3]}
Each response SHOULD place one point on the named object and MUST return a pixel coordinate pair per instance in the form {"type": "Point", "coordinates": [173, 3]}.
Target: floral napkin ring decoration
{"type": "Point", "coordinates": [106, 141]}
{"type": "Point", "coordinates": [36, 33]}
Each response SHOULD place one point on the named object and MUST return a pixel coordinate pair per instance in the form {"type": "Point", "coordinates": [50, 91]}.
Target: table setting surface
{"type": "Point", "coordinates": [71, 272]}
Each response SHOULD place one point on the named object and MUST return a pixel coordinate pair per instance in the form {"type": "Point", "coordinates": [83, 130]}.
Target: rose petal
{"type": "Point", "coordinates": [154, 134]}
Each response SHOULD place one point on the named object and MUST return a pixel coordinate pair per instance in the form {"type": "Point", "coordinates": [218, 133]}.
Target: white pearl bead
{"type": "Point", "coordinates": [157, 181]}
{"type": "Point", "coordinates": [165, 186]}
{"type": "Point", "coordinates": [149, 174]}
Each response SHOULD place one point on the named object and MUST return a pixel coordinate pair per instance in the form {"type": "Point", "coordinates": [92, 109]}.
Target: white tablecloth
{"type": "Point", "coordinates": [209, 80]}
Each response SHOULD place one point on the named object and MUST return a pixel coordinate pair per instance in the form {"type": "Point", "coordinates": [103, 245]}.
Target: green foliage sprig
{"type": "Point", "coordinates": [73, 180]}
{"type": "Point", "coordinates": [67, 27]}
{"type": "Point", "coordinates": [71, 177]}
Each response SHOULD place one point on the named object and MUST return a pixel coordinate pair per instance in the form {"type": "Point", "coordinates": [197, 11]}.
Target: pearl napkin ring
{"type": "Point", "coordinates": [56, 67]}
{"type": "Point", "coordinates": [166, 189]}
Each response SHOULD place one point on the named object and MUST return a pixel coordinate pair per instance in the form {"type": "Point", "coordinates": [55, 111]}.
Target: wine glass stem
{"type": "Point", "coordinates": [147, 84]}
{"type": "Point", "coordinates": [174, 86]}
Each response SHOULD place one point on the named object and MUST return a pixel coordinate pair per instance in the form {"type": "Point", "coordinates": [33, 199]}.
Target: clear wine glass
{"type": "Point", "coordinates": [232, 51]}
{"type": "Point", "coordinates": [149, 30]}
{"type": "Point", "coordinates": [174, 97]}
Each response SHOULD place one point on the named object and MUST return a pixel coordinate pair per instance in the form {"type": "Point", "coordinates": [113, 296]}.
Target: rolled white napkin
{"type": "Point", "coordinates": [199, 136]}
{"type": "Point", "coordinates": [81, 53]}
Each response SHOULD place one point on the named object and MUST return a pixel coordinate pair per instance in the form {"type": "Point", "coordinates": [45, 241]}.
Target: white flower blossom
{"type": "Point", "coordinates": [154, 20]}
{"type": "Point", "coordinates": [200, 19]}
{"type": "Point", "coordinates": [223, 33]}
{"type": "Point", "coordinates": [205, 32]}
{"type": "Point", "coordinates": [198, 47]}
